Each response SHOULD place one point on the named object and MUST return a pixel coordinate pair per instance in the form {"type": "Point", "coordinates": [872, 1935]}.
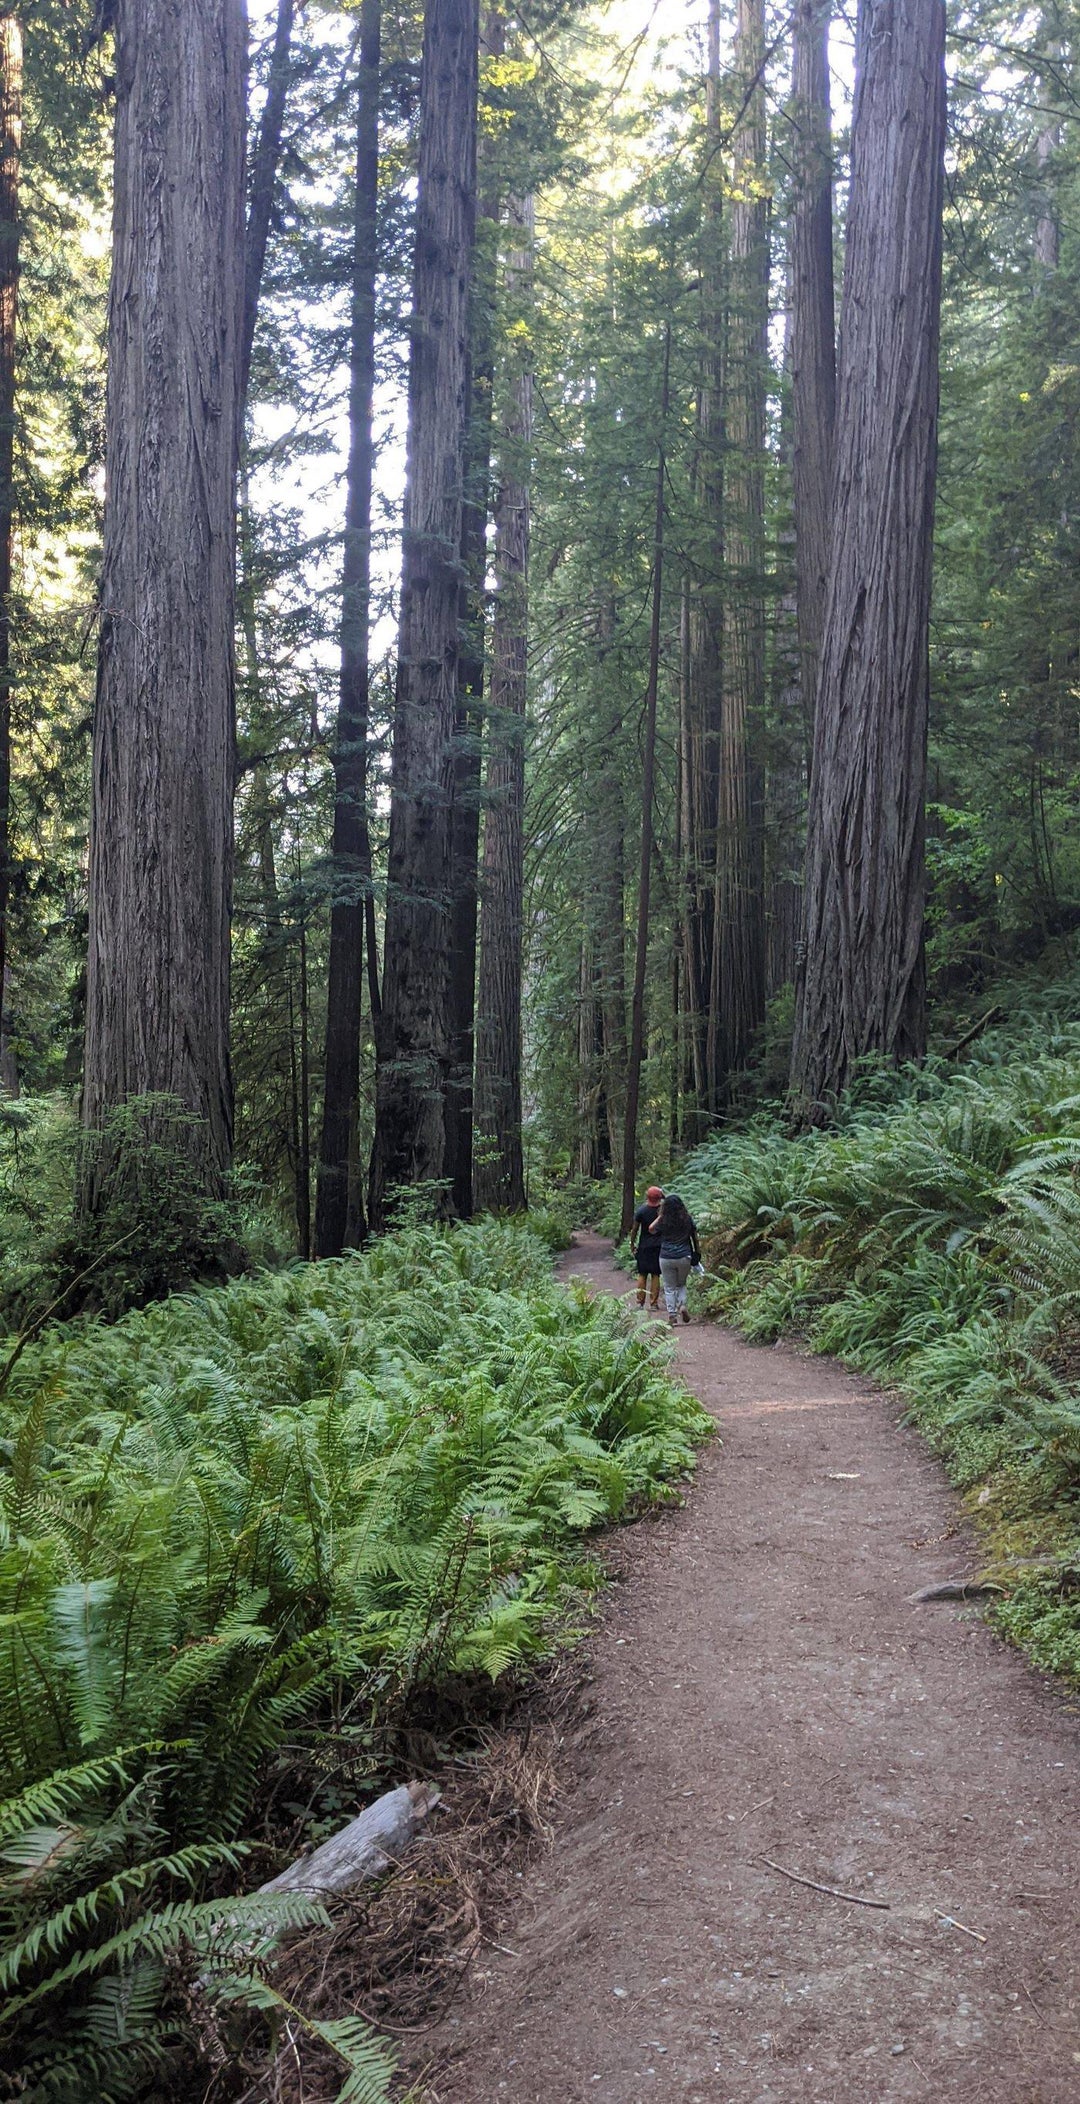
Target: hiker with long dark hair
{"type": "Point", "coordinates": [679, 1254]}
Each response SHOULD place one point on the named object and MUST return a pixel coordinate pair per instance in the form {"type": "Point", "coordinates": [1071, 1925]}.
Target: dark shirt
{"type": "Point", "coordinates": [677, 1249]}
{"type": "Point", "coordinates": [648, 1246]}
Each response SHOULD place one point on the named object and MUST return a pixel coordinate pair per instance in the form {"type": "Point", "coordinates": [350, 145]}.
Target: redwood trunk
{"type": "Point", "coordinates": [339, 1207]}
{"type": "Point", "coordinates": [1047, 228]}
{"type": "Point", "coordinates": [813, 336]}
{"type": "Point", "coordinates": [648, 781]}
{"type": "Point", "coordinates": [468, 727]}
{"type": "Point", "coordinates": [609, 938]}
{"type": "Point", "coordinates": [410, 1134]}
{"type": "Point", "coordinates": [10, 145]}
{"type": "Point", "coordinates": [786, 776]}
{"type": "Point", "coordinates": [590, 1152]}
{"type": "Point", "coordinates": [862, 982]}
{"type": "Point", "coordinates": [161, 821]}
{"type": "Point", "coordinates": [738, 989]}
{"type": "Point", "coordinates": [500, 1171]}
{"type": "Point", "coordinates": [704, 702]}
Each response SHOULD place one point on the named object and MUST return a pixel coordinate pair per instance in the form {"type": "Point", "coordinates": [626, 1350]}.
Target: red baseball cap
{"type": "Point", "coordinates": [654, 1192]}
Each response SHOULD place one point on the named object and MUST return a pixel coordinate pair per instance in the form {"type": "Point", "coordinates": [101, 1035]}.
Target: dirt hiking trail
{"type": "Point", "coordinates": [763, 1686]}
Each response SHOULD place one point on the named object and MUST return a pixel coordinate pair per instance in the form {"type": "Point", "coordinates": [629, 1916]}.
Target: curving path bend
{"type": "Point", "coordinates": [763, 1686]}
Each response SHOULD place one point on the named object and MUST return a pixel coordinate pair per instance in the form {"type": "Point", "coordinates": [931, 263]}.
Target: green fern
{"type": "Point", "coordinates": [235, 1511]}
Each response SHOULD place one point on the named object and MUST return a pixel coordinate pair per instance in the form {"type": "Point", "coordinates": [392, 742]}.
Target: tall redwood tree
{"type": "Point", "coordinates": [737, 1005]}
{"type": "Point", "coordinates": [339, 1210]}
{"type": "Point", "coordinates": [472, 668]}
{"type": "Point", "coordinates": [500, 1171]}
{"type": "Point", "coordinates": [861, 987]}
{"type": "Point", "coordinates": [813, 335]}
{"type": "Point", "coordinates": [161, 822]}
{"type": "Point", "coordinates": [414, 1036]}
{"type": "Point", "coordinates": [704, 684]}
{"type": "Point", "coordinates": [11, 67]}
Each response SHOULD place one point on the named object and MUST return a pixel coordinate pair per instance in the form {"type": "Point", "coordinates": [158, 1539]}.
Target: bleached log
{"type": "Point", "coordinates": [365, 1848]}
{"type": "Point", "coordinates": [954, 1589]}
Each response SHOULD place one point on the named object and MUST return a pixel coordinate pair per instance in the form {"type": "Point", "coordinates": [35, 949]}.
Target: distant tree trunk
{"type": "Point", "coordinates": [1047, 228]}
{"type": "Point", "coordinates": [303, 1161]}
{"type": "Point", "coordinates": [785, 801]}
{"type": "Point", "coordinates": [500, 1173]}
{"type": "Point", "coordinates": [691, 1040]}
{"type": "Point", "coordinates": [339, 1206]}
{"type": "Point", "coordinates": [648, 786]}
{"type": "Point", "coordinates": [264, 168]}
{"type": "Point", "coordinates": [1049, 46]}
{"type": "Point", "coordinates": [261, 1000]}
{"type": "Point", "coordinates": [609, 935]}
{"type": "Point", "coordinates": [738, 988]}
{"type": "Point", "coordinates": [786, 770]}
{"type": "Point", "coordinates": [10, 148]}
{"type": "Point", "coordinates": [862, 980]}
{"type": "Point", "coordinates": [161, 822]}
{"type": "Point", "coordinates": [813, 335]}
{"type": "Point", "coordinates": [468, 725]}
{"type": "Point", "coordinates": [704, 699]}
{"type": "Point", "coordinates": [590, 1154]}
{"type": "Point", "coordinates": [274, 957]}
{"type": "Point", "coordinates": [413, 1051]}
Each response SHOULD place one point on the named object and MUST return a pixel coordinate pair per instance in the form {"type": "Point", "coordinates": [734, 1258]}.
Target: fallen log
{"type": "Point", "coordinates": [993, 1015]}
{"type": "Point", "coordinates": [368, 1846]}
{"type": "Point", "coordinates": [955, 1589]}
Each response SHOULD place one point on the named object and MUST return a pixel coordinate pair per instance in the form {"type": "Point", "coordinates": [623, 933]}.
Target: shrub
{"type": "Point", "coordinates": [154, 1227]}
{"type": "Point", "coordinates": [38, 1141]}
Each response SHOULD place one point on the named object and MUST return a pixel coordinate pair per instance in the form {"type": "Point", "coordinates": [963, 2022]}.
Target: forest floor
{"type": "Point", "coordinates": [763, 1685]}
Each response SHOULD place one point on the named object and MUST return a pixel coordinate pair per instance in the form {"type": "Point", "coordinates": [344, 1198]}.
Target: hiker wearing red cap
{"type": "Point", "coordinates": [645, 1246]}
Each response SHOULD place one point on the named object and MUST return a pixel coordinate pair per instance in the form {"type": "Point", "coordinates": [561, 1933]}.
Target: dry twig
{"type": "Point", "coordinates": [854, 1899]}
{"type": "Point", "coordinates": [954, 1924]}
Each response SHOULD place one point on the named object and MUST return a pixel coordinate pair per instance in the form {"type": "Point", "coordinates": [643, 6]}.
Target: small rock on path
{"type": "Point", "coordinates": [764, 1685]}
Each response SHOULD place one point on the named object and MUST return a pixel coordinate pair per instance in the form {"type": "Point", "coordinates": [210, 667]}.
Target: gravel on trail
{"type": "Point", "coordinates": [763, 1685]}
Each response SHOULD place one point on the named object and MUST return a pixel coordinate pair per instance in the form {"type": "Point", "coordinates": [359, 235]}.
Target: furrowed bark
{"type": "Point", "coordinates": [339, 1206]}
{"type": "Point", "coordinates": [161, 822]}
{"type": "Point", "coordinates": [862, 980]}
{"type": "Point", "coordinates": [11, 65]}
{"type": "Point", "coordinates": [500, 1173]}
{"type": "Point", "coordinates": [410, 1135]}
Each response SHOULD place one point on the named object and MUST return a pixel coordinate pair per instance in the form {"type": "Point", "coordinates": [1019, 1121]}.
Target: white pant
{"type": "Point", "coordinates": [675, 1271]}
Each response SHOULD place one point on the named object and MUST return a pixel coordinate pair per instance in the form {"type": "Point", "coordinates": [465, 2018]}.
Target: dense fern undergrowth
{"type": "Point", "coordinates": [245, 1532]}
{"type": "Point", "coordinates": [932, 1239]}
